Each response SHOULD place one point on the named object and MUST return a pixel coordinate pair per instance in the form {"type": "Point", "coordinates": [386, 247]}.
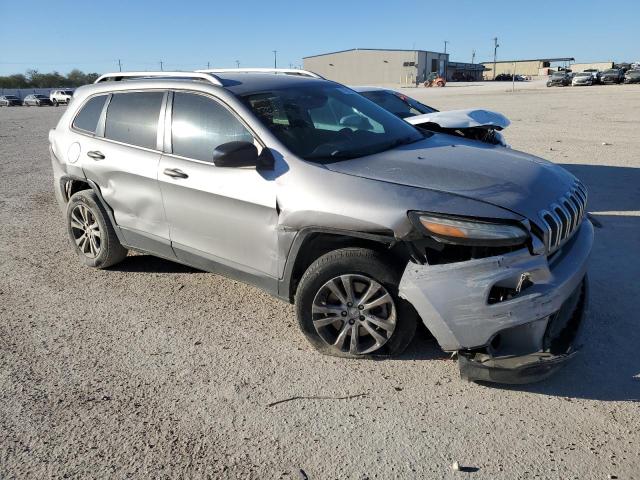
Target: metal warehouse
{"type": "Point", "coordinates": [378, 66]}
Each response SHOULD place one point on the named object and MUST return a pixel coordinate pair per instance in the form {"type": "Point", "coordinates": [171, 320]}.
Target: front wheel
{"type": "Point", "coordinates": [92, 235]}
{"type": "Point", "coordinates": [347, 305]}
{"type": "Point", "coordinates": [55, 103]}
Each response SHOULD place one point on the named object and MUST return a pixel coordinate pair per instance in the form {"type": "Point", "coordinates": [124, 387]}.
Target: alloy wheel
{"type": "Point", "coordinates": [86, 231]}
{"type": "Point", "coordinates": [354, 314]}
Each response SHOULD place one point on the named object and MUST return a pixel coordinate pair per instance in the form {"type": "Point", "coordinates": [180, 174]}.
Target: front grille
{"type": "Point", "coordinates": [561, 220]}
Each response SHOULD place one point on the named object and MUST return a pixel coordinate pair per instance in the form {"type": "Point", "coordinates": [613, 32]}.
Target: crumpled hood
{"type": "Point", "coordinates": [467, 118]}
{"type": "Point", "coordinates": [510, 179]}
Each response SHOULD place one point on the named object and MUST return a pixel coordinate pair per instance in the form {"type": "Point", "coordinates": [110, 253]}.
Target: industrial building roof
{"type": "Point", "coordinates": [377, 50]}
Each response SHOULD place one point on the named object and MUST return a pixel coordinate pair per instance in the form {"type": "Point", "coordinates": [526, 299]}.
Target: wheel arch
{"type": "Point", "coordinates": [311, 243]}
{"type": "Point", "coordinates": [69, 185]}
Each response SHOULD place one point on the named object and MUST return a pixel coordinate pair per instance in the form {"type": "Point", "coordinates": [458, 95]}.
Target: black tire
{"type": "Point", "coordinates": [110, 250]}
{"type": "Point", "coordinates": [55, 103]}
{"type": "Point", "coordinates": [355, 261]}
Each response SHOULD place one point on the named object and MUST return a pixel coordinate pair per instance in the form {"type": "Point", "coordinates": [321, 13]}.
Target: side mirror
{"type": "Point", "coordinates": [235, 154]}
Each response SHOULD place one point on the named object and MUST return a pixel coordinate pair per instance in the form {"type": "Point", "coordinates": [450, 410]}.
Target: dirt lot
{"type": "Point", "coordinates": [151, 369]}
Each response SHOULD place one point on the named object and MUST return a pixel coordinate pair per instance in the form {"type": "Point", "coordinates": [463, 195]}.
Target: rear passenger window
{"type": "Point", "coordinates": [87, 119]}
{"type": "Point", "coordinates": [200, 124]}
{"type": "Point", "coordinates": [133, 118]}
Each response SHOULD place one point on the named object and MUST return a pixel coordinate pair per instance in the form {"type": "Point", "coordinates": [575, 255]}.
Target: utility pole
{"type": "Point", "coordinates": [445, 45]}
{"type": "Point", "coordinates": [119, 65]}
{"type": "Point", "coordinates": [237, 63]}
{"type": "Point", "coordinates": [495, 55]}
{"type": "Point", "coordinates": [208, 65]}
{"type": "Point", "coordinates": [473, 56]}
{"type": "Point", "coordinates": [275, 59]}
{"type": "Point", "coordinates": [161, 66]}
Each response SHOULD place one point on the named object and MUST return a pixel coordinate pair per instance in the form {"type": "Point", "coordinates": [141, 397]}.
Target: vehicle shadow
{"type": "Point", "coordinates": [143, 263]}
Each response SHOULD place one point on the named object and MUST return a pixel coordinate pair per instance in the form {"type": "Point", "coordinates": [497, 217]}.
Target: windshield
{"type": "Point", "coordinates": [584, 75]}
{"type": "Point", "coordinates": [398, 104]}
{"type": "Point", "coordinates": [611, 71]}
{"type": "Point", "coordinates": [68, 92]}
{"type": "Point", "coordinates": [558, 74]}
{"type": "Point", "coordinates": [11, 97]}
{"type": "Point", "coordinates": [40, 96]}
{"type": "Point", "coordinates": [329, 122]}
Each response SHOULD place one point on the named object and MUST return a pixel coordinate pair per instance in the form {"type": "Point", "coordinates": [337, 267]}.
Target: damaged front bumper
{"type": "Point", "coordinates": [559, 345]}
{"type": "Point", "coordinates": [520, 339]}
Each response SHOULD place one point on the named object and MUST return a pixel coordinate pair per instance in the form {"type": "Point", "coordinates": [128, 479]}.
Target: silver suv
{"type": "Point", "coordinates": [60, 97]}
{"type": "Point", "coordinates": [310, 191]}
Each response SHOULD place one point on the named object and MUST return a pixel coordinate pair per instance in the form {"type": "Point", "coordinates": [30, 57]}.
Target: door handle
{"type": "Point", "coordinates": [96, 155]}
{"type": "Point", "coordinates": [175, 173]}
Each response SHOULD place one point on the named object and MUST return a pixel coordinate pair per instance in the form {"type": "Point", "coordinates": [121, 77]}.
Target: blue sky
{"type": "Point", "coordinates": [60, 35]}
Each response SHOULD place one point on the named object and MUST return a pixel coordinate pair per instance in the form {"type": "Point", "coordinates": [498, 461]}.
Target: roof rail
{"type": "Point", "coordinates": [119, 76]}
{"type": "Point", "coordinates": [285, 71]}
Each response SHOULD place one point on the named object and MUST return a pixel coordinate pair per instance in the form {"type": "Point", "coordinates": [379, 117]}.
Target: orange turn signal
{"type": "Point", "coordinates": [444, 230]}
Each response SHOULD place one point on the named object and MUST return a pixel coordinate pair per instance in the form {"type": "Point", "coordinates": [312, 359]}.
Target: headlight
{"type": "Point", "coordinates": [464, 231]}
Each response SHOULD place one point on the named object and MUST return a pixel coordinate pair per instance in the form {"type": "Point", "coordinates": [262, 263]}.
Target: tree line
{"type": "Point", "coordinates": [35, 79]}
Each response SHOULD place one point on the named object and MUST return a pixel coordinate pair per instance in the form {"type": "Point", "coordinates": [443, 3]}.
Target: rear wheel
{"type": "Point", "coordinates": [92, 235]}
{"type": "Point", "coordinates": [347, 305]}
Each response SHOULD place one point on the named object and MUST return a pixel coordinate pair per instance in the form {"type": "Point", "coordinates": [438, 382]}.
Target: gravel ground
{"type": "Point", "coordinates": [152, 369]}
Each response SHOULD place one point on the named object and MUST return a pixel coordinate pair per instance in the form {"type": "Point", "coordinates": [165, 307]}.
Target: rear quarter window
{"type": "Point", "coordinates": [132, 118]}
{"type": "Point", "coordinates": [89, 115]}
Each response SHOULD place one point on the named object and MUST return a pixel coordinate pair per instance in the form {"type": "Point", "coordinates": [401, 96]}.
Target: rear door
{"type": "Point", "coordinates": [122, 159]}
{"type": "Point", "coordinates": [219, 217]}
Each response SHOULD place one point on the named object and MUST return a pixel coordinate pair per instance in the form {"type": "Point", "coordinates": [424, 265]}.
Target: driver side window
{"type": "Point", "coordinates": [200, 124]}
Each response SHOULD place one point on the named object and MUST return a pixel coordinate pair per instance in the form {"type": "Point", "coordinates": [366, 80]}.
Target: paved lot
{"type": "Point", "coordinates": [151, 369]}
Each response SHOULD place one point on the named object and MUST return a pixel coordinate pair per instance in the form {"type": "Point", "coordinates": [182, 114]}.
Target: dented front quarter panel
{"type": "Point", "coordinates": [451, 299]}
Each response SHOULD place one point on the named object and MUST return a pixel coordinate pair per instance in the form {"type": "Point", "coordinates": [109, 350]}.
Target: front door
{"type": "Point", "coordinates": [220, 218]}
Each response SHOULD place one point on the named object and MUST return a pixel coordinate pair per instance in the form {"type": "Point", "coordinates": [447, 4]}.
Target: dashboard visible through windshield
{"type": "Point", "coordinates": [329, 123]}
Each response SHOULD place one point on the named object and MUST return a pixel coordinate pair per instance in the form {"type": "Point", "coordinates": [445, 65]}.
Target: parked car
{"type": "Point", "coordinates": [60, 97]}
{"type": "Point", "coordinates": [613, 75]}
{"type": "Point", "coordinates": [583, 78]}
{"type": "Point", "coordinates": [475, 124]}
{"type": "Point", "coordinates": [559, 79]}
{"type": "Point", "coordinates": [10, 101]}
{"type": "Point", "coordinates": [36, 100]}
{"type": "Point", "coordinates": [312, 192]}
{"type": "Point", "coordinates": [632, 76]}
{"type": "Point", "coordinates": [595, 74]}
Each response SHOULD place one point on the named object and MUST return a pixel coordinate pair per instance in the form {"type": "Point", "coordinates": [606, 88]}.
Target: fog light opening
{"type": "Point", "coordinates": [502, 293]}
